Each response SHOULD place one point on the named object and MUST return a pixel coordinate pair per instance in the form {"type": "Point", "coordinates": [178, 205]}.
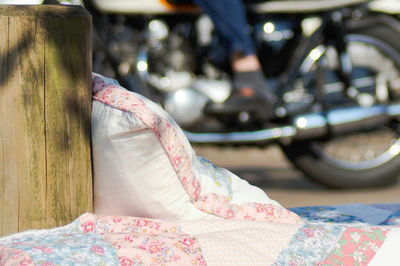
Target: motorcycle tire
{"type": "Point", "coordinates": [317, 165]}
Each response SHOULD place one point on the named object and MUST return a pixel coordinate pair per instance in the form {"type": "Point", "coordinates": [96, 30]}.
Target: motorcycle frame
{"type": "Point", "coordinates": [330, 29]}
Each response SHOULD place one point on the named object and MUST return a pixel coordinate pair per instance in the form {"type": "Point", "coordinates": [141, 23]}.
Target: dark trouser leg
{"type": "Point", "coordinates": [230, 21]}
{"type": "Point", "coordinates": [250, 90]}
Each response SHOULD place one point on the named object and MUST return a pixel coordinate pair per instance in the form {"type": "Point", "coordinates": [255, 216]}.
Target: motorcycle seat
{"type": "Point", "coordinates": [288, 6]}
{"type": "Point", "coordinates": [302, 6]}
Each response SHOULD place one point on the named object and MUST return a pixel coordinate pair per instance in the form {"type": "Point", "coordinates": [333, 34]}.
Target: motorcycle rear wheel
{"type": "Point", "coordinates": [332, 162]}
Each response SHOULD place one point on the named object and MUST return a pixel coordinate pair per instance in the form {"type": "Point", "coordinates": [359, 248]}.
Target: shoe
{"type": "Point", "coordinates": [250, 94]}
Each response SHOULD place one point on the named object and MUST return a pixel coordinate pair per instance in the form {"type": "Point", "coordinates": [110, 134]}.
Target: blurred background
{"type": "Point", "coordinates": [269, 169]}
{"type": "Point", "coordinates": [177, 58]}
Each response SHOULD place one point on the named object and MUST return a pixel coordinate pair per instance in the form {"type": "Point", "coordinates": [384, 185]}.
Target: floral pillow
{"type": "Point", "coordinates": [144, 166]}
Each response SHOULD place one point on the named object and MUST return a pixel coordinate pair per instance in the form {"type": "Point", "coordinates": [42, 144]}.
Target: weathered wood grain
{"type": "Point", "coordinates": [9, 146]}
{"type": "Point", "coordinates": [66, 80]}
{"type": "Point", "coordinates": [3, 75]}
{"type": "Point", "coordinates": [28, 86]}
{"type": "Point", "coordinates": [45, 100]}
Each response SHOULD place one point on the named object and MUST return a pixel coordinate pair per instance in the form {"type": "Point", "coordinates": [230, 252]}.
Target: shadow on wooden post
{"type": "Point", "coordinates": [45, 104]}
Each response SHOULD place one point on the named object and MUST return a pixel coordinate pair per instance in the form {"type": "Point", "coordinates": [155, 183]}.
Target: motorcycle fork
{"type": "Point", "coordinates": [336, 31]}
{"type": "Point", "coordinates": [302, 51]}
{"type": "Point", "coordinates": [331, 30]}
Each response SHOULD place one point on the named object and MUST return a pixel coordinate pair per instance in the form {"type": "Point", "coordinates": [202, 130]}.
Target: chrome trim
{"type": "Point", "coordinates": [142, 64]}
{"type": "Point", "coordinates": [303, 6]}
{"type": "Point", "coordinates": [393, 110]}
{"type": "Point", "coordinates": [307, 125]}
{"type": "Point", "coordinates": [385, 6]}
{"type": "Point", "coordinates": [340, 120]}
{"type": "Point", "coordinates": [392, 152]}
{"type": "Point", "coordinates": [312, 58]}
{"type": "Point", "coordinates": [242, 137]}
{"type": "Point", "coordinates": [353, 114]}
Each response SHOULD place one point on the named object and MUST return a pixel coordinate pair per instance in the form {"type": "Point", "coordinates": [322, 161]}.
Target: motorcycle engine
{"type": "Point", "coordinates": [172, 68]}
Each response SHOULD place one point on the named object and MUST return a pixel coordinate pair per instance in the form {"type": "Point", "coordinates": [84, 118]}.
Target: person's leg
{"type": "Point", "coordinates": [251, 92]}
{"type": "Point", "coordinates": [230, 21]}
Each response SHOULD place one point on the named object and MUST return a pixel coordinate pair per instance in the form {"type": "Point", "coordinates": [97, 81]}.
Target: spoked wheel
{"type": "Point", "coordinates": [367, 158]}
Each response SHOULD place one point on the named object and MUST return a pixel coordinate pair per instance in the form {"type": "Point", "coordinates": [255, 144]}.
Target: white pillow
{"type": "Point", "coordinates": [144, 166]}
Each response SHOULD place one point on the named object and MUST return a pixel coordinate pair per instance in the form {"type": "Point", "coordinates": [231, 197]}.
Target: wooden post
{"type": "Point", "coordinates": [45, 104]}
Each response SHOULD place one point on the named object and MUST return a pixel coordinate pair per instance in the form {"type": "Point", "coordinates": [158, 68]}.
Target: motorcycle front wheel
{"type": "Point", "coordinates": [372, 157]}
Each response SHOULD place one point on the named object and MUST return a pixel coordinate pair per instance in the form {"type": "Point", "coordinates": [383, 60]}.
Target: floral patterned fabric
{"type": "Point", "coordinates": [139, 241]}
{"type": "Point", "coordinates": [108, 93]}
{"type": "Point", "coordinates": [357, 246]}
{"type": "Point", "coordinates": [122, 240]}
{"type": "Point", "coordinates": [311, 243]}
{"type": "Point", "coordinates": [221, 176]}
{"type": "Point", "coordinates": [326, 214]}
{"type": "Point", "coordinates": [250, 233]}
{"type": "Point", "coordinates": [62, 246]}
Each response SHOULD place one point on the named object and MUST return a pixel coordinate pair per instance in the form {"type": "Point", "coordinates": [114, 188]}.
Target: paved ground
{"type": "Point", "coordinates": [269, 170]}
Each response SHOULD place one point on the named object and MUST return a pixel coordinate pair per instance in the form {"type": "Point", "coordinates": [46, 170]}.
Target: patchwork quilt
{"type": "Point", "coordinates": [352, 234]}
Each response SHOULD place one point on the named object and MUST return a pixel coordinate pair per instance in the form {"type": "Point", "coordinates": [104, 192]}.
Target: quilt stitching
{"type": "Point", "coordinates": [148, 241]}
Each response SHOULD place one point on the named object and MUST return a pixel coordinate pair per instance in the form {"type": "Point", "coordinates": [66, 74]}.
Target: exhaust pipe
{"type": "Point", "coordinates": [336, 121]}
{"type": "Point", "coordinates": [339, 121]}
{"type": "Point", "coordinates": [243, 137]}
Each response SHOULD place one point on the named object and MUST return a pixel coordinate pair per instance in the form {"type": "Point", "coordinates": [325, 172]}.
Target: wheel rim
{"type": "Point", "coordinates": [360, 155]}
{"type": "Point", "coordinates": [365, 150]}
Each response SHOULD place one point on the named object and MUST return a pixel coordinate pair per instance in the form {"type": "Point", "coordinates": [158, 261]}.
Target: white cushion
{"type": "Point", "coordinates": [144, 166]}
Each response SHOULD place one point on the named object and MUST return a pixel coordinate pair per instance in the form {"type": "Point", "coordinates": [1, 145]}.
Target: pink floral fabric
{"type": "Point", "coordinates": [214, 204]}
{"type": "Point", "coordinates": [10, 256]}
{"type": "Point", "coordinates": [344, 239]}
{"type": "Point", "coordinates": [120, 240]}
{"type": "Point", "coordinates": [357, 246]}
{"type": "Point", "coordinates": [139, 241]}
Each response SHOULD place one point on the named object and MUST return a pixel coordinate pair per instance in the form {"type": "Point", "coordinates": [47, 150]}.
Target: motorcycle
{"type": "Point", "coordinates": [334, 66]}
